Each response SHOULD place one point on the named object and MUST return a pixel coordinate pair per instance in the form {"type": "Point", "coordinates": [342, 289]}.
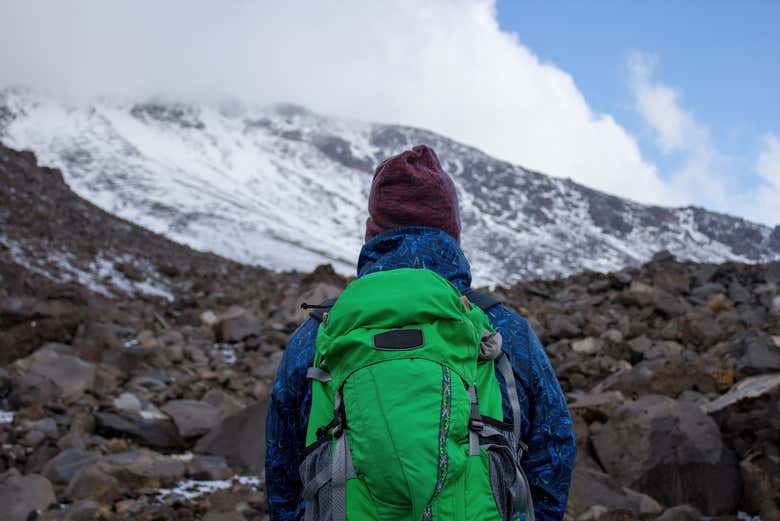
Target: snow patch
{"type": "Point", "coordinates": [7, 416]}
{"type": "Point", "coordinates": [227, 351]}
{"type": "Point", "coordinates": [191, 489]}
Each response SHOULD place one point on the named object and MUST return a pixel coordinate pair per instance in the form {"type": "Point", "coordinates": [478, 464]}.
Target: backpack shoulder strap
{"type": "Point", "coordinates": [318, 310]}
{"type": "Point", "coordinates": [482, 299]}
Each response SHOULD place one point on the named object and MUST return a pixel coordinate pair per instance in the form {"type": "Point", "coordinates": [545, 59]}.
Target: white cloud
{"type": "Point", "coordinates": [766, 205]}
{"type": "Point", "coordinates": [439, 64]}
{"type": "Point", "coordinates": [659, 104]}
{"type": "Point", "coordinates": [705, 176]}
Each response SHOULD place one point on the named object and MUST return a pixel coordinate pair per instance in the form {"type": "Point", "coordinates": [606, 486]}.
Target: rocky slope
{"type": "Point", "coordinates": [285, 188]}
{"type": "Point", "coordinates": [135, 372]}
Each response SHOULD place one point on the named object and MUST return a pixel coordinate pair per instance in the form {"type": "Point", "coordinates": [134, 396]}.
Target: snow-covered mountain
{"type": "Point", "coordinates": [287, 188]}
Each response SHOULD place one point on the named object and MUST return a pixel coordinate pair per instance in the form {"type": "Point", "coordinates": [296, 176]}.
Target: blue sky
{"type": "Point", "coordinates": [721, 58]}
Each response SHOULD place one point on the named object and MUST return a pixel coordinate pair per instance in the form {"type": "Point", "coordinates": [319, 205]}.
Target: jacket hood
{"type": "Point", "coordinates": [416, 247]}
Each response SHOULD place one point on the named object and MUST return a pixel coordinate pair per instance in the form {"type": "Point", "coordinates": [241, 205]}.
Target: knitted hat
{"type": "Point", "coordinates": [411, 189]}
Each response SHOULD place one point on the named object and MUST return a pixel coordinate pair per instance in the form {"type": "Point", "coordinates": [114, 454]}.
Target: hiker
{"type": "Point", "coordinates": [413, 397]}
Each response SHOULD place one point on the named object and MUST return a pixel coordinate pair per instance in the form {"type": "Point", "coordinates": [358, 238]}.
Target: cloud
{"type": "Point", "coordinates": [659, 104]}
{"type": "Point", "coordinates": [767, 201]}
{"type": "Point", "coordinates": [705, 176]}
{"type": "Point", "coordinates": [440, 64]}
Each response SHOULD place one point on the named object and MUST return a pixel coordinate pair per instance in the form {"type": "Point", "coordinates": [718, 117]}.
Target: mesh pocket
{"type": "Point", "coordinates": [510, 487]}
{"type": "Point", "coordinates": [315, 471]}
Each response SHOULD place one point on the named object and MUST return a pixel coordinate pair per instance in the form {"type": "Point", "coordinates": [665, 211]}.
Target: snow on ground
{"type": "Point", "coordinates": [7, 416]}
{"type": "Point", "coordinates": [191, 489]}
{"type": "Point", "coordinates": [228, 352]}
{"type": "Point", "coordinates": [99, 275]}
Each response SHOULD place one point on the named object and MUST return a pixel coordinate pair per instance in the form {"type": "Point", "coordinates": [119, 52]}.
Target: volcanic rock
{"type": "Point", "coordinates": [589, 487]}
{"type": "Point", "coordinates": [143, 466]}
{"type": "Point", "coordinates": [208, 468]}
{"type": "Point", "coordinates": [671, 451]}
{"type": "Point", "coordinates": [153, 432]}
{"type": "Point", "coordinates": [20, 496]}
{"type": "Point", "coordinates": [72, 375]}
{"type": "Point", "coordinates": [61, 469]}
{"type": "Point", "coordinates": [240, 438]}
{"type": "Point", "coordinates": [236, 324]}
{"type": "Point", "coordinates": [192, 417]}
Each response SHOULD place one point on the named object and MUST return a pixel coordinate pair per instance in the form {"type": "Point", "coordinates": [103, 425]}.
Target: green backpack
{"type": "Point", "coordinates": [406, 421]}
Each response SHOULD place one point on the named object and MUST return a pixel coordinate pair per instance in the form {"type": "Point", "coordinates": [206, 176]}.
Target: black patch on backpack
{"type": "Point", "coordinates": [399, 339]}
{"type": "Point", "coordinates": [482, 299]}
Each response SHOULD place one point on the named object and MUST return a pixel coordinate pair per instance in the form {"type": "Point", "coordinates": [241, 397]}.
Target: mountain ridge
{"type": "Point", "coordinates": [286, 188]}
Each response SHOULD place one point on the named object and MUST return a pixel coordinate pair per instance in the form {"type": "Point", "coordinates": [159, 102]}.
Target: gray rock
{"type": "Point", "coordinates": [208, 468]}
{"type": "Point", "coordinates": [707, 290]}
{"type": "Point", "coordinates": [743, 391]}
{"type": "Point", "coordinates": [91, 482]}
{"type": "Point", "coordinates": [591, 487]}
{"type": "Point", "coordinates": [84, 510]}
{"type": "Point", "coordinates": [142, 466]}
{"type": "Point", "coordinates": [149, 431]}
{"type": "Point", "coordinates": [702, 330]}
{"type": "Point", "coordinates": [33, 389]}
{"type": "Point", "coordinates": [670, 305]}
{"type": "Point", "coordinates": [236, 324]}
{"type": "Point", "coordinates": [61, 469]}
{"type": "Point", "coordinates": [562, 326]}
{"type": "Point", "coordinates": [23, 495]}
{"type": "Point", "coordinates": [192, 417]}
{"type": "Point", "coordinates": [240, 438]}
{"type": "Point", "coordinates": [45, 425]}
{"type": "Point", "coordinates": [72, 375]}
{"type": "Point", "coordinates": [587, 346]}
{"type": "Point", "coordinates": [596, 406]}
{"type": "Point", "coordinates": [738, 293]}
{"type": "Point", "coordinates": [225, 402]}
{"type": "Point", "coordinates": [681, 513]}
{"type": "Point", "coordinates": [761, 356]}
{"type": "Point", "coordinates": [667, 376]}
{"type": "Point", "coordinates": [33, 439]}
{"type": "Point", "coordinates": [671, 451]}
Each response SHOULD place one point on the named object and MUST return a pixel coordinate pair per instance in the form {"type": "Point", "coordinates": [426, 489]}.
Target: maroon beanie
{"type": "Point", "coordinates": [411, 189]}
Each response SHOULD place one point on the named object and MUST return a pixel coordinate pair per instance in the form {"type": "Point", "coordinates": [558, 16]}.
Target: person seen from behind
{"type": "Point", "coordinates": [414, 397]}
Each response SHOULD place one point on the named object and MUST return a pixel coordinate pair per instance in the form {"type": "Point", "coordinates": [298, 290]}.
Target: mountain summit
{"type": "Point", "coordinates": [287, 188]}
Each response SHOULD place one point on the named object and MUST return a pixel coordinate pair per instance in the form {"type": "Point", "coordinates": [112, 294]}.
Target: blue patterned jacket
{"type": "Point", "coordinates": [546, 426]}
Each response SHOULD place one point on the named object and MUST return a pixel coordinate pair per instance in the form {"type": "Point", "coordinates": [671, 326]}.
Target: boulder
{"type": "Point", "coordinates": [84, 510]}
{"type": "Point", "coordinates": [591, 487]}
{"type": "Point", "coordinates": [562, 326]}
{"type": "Point", "coordinates": [236, 324]}
{"type": "Point", "coordinates": [21, 496]}
{"type": "Point", "coordinates": [596, 406]}
{"type": "Point", "coordinates": [240, 438]}
{"type": "Point", "coordinates": [761, 355]}
{"type": "Point", "coordinates": [701, 329]}
{"type": "Point", "coordinates": [744, 390]}
{"type": "Point", "coordinates": [225, 402]}
{"type": "Point", "coordinates": [72, 375]}
{"type": "Point", "coordinates": [670, 305]}
{"type": "Point", "coordinates": [672, 451]}
{"type": "Point", "coordinates": [762, 486]}
{"type": "Point", "coordinates": [192, 417]}
{"type": "Point", "coordinates": [154, 432]}
{"type": "Point", "coordinates": [667, 376]}
{"type": "Point", "coordinates": [318, 293]}
{"type": "Point", "coordinates": [681, 513]}
{"type": "Point", "coordinates": [143, 467]}
{"type": "Point", "coordinates": [91, 482]}
{"type": "Point", "coordinates": [61, 469]}
{"type": "Point", "coordinates": [673, 278]}
{"type": "Point", "coordinates": [587, 346]}
{"type": "Point", "coordinates": [208, 468]}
